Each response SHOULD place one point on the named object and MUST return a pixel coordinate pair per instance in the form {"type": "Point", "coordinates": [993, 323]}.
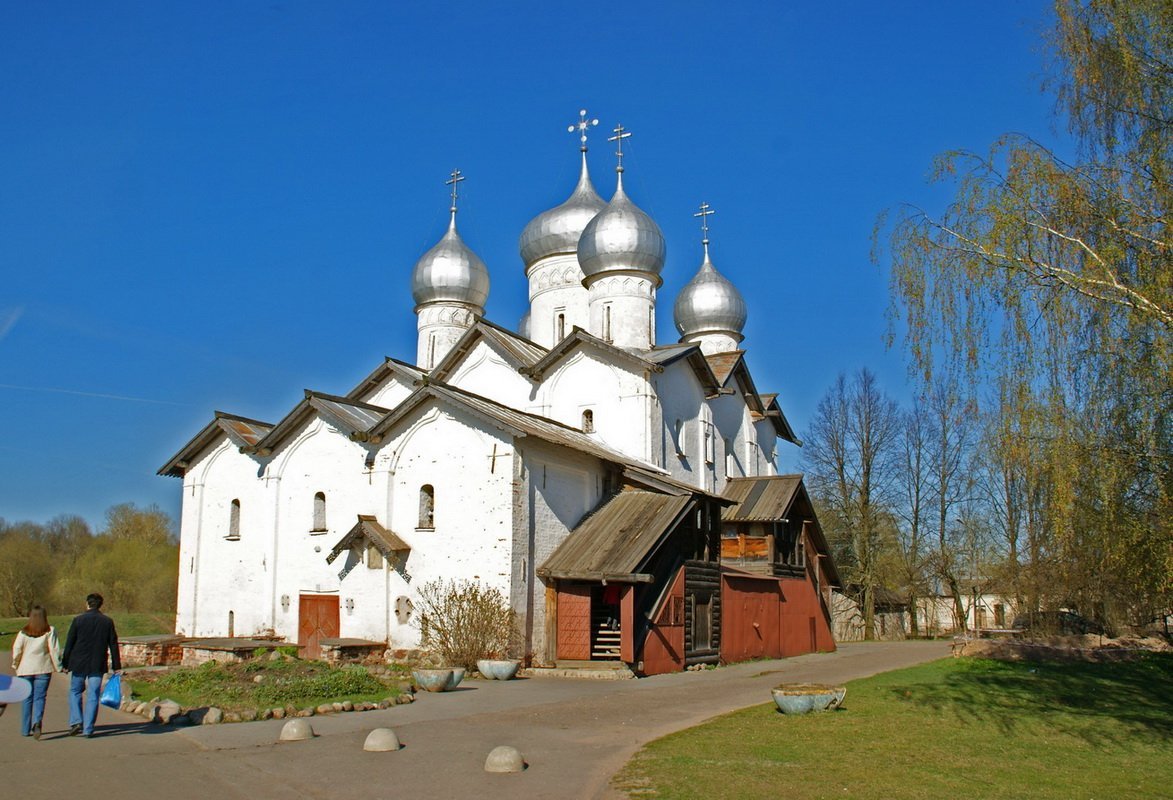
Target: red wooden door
{"type": "Point", "coordinates": [574, 622]}
{"type": "Point", "coordinates": [317, 619]}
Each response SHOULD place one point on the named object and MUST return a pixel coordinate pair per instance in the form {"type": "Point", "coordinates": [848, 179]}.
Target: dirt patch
{"type": "Point", "coordinates": [1062, 648]}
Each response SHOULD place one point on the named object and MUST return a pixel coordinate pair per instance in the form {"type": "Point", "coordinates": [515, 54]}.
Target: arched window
{"type": "Point", "coordinates": [678, 437]}
{"type": "Point", "coordinates": [427, 506]}
{"type": "Point", "coordinates": [606, 323]}
{"type": "Point", "coordinates": [588, 421]}
{"type": "Point", "coordinates": [560, 328]}
{"type": "Point", "coordinates": [730, 458]}
{"type": "Point", "coordinates": [319, 512]}
{"type": "Point", "coordinates": [234, 520]}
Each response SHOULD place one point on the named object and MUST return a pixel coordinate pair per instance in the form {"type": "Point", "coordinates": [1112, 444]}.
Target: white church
{"type": "Point", "coordinates": [577, 465]}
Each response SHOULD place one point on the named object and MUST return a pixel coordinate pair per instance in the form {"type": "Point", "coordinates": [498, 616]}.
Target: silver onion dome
{"type": "Point", "coordinates": [558, 229]}
{"type": "Point", "coordinates": [621, 237]}
{"type": "Point", "coordinates": [451, 272]}
{"type": "Point", "coordinates": [709, 303]}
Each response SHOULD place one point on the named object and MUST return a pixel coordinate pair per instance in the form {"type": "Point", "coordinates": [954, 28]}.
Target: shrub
{"type": "Point", "coordinates": [462, 621]}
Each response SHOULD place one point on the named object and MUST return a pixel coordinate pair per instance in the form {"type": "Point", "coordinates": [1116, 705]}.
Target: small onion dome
{"type": "Point", "coordinates": [450, 272]}
{"type": "Point", "coordinates": [620, 238]}
{"type": "Point", "coordinates": [557, 230]}
{"type": "Point", "coordinates": [709, 303]}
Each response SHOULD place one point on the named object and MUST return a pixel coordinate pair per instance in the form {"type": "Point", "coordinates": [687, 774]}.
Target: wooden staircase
{"type": "Point", "coordinates": [605, 639]}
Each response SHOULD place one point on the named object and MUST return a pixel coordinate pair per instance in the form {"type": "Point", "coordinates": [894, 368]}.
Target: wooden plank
{"type": "Point", "coordinates": [574, 622]}
{"type": "Point", "coordinates": [627, 624]}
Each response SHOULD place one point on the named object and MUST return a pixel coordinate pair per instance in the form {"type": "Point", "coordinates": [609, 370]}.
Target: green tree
{"type": "Point", "coordinates": [26, 569]}
{"type": "Point", "coordinates": [1052, 280]}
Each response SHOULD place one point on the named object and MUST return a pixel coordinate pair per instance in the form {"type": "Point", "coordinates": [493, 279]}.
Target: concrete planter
{"type": "Point", "coordinates": [802, 698]}
{"type": "Point", "coordinates": [454, 681]}
{"type": "Point", "coordinates": [498, 669]}
{"type": "Point", "coordinates": [432, 680]}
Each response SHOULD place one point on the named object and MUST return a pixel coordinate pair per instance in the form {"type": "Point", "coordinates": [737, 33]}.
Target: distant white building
{"type": "Point", "coordinates": [480, 459]}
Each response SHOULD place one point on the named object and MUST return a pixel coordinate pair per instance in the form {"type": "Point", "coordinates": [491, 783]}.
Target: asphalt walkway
{"type": "Point", "coordinates": [575, 734]}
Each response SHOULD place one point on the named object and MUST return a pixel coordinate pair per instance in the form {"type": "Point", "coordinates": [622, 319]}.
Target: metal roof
{"type": "Point", "coordinates": [389, 367]}
{"type": "Point", "coordinates": [521, 352]}
{"type": "Point", "coordinates": [576, 338]}
{"type": "Point", "coordinates": [241, 431]}
{"type": "Point", "coordinates": [368, 528]}
{"type": "Point", "coordinates": [346, 413]}
{"type": "Point", "coordinates": [616, 539]}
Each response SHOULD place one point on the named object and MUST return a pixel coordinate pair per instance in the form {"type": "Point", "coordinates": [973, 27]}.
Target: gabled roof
{"type": "Point", "coordinates": [731, 365]}
{"type": "Point", "coordinates": [578, 338]}
{"type": "Point", "coordinates": [517, 423]}
{"type": "Point", "coordinates": [781, 424]}
{"type": "Point", "coordinates": [390, 366]}
{"type": "Point", "coordinates": [349, 415]}
{"type": "Point", "coordinates": [520, 352]}
{"type": "Point", "coordinates": [772, 498]}
{"type": "Point", "coordinates": [241, 431]}
{"type": "Point", "coordinates": [368, 528]}
{"type": "Point", "coordinates": [665, 355]}
{"type": "Point", "coordinates": [616, 540]}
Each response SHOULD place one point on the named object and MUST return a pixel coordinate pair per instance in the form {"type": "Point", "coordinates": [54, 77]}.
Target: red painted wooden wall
{"type": "Point", "coordinates": [574, 622]}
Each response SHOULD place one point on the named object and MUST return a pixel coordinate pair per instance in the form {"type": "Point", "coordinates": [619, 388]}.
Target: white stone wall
{"type": "Point", "coordinates": [622, 309]}
{"type": "Point", "coordinates": [213, 569]}
{"type": "Point", "coordinates": [682, 400]}
{"type": "Point", "coordinates": [469, 466]}
{"type": "Point", "coordinates": [485, 372]}
{"type": "Point", "coordinates": [390, 393]}
{"type": "Point", "coordinates": [618, 396]}
{"type": "Point", "coordinates": [555, 288]}
{"type": "Point", "coordinates": [440, 325]}
{"type": "Point", "coordinates": [321, 459]}
{"type": "Point", "coordinates": [555, 489]}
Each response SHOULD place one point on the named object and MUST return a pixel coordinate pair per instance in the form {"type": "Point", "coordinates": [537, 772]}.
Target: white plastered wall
{"type": "Point", "coordinates": [555, 287]}
{"type": "Point", "coordinates": [682, 398]}
{"type": "Point", "coordinates": [484, 371]}
{"type": "Point", "coordinates": [217, 574]}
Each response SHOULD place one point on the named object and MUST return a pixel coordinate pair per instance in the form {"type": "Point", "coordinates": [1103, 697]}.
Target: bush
{"type": "Point", "coordinates": [462, 621]}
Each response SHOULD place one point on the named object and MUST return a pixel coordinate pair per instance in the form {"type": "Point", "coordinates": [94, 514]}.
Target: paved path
{"type": "Point", "coordinates": [575, 734]}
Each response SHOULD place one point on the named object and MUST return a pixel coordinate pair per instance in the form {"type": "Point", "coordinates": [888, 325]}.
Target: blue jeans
{"type": "Point", "coordinates": [91, 685]}
{"type": "Point", "coordinates": [33, 707]}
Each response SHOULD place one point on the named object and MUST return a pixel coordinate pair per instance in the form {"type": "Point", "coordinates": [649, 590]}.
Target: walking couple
{"type": "Point", "coordinates": [36, 656]}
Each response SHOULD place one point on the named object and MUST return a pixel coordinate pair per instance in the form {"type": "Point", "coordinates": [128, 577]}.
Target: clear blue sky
{"type": "Point", "coordinates": [216, 205]}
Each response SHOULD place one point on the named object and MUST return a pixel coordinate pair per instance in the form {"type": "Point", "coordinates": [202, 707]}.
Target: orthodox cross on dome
{"type": "Point", "coordinates": [582, 126]}
{"type": "Point", "coordinates": [621, 133]}
{"type": "Point", "coordinates": [454, 181]}
{"type": "Point", "coordinates": [704, 215]}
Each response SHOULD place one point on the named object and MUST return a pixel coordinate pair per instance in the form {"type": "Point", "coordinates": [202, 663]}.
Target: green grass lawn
{"type": "Point", "coordinates": [128, 624]}
{"type": "Point", "coordinates": [953, 728]}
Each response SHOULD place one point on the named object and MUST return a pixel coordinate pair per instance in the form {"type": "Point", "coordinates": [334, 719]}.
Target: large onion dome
{"type": "Point", "coordinates": [557, 230]}
{"type": "Point", "coordinates": [450, 272]}
{"type": "Point", "coordinates": [709, 303]}
{"type": "Point", "coordinates": [621, 237]}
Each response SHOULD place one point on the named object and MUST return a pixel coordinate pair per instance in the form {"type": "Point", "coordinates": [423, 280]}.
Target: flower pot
{"type": "Point", "coordinates": [432, 680]}
{"type": "Point", "coordinates": [802, 698]}
{"type": "Point", "coordinates": [498, 669]}
{"type": "Point", "coordinates": [454, 681]}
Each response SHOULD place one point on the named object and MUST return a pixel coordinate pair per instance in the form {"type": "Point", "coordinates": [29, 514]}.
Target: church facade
{"type": "Point", "coordinates": [575, 464]}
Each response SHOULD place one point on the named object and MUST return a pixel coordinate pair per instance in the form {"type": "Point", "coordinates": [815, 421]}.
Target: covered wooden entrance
{"type": "Point", "coordinates": [317, 619]}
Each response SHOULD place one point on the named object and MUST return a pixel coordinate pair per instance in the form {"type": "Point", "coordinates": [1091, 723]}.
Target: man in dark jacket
{"type": "Point", "coordinates": [91, 637]}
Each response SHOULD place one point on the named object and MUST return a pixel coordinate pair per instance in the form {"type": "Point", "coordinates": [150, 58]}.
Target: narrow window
{"type": "Point", "coordinates": [234, 520]}
{"type": "Point", "coordinates": [606, 323]}
{"type": "Point", "coordinates": [231, 624]}
{"type": "Point", "coordinates": [709, 445]}
{"type": "Point", "coordinates": [588, 421]}
{"type": "Point", "coordinates": [560, 328]}
{"type": "Point", "coordinates": [652, 325]}
{"type": "Point", "coordinates": [678, 437]}
{"type": "Point", "coordinates": [427, 506]}
{"type": "Point", "coordinates": [729, 458]}
{"type": "Point", "coordinates": [431, 351]}
{"type": "Point", "coordinates": [319, 512]}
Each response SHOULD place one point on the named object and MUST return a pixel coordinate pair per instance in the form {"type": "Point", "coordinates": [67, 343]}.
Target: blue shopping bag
{"type": "Point", "coordinates": [112, 692]}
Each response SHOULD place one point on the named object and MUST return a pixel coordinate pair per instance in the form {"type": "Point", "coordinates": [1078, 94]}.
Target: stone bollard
{"type": "Point", "coordinates": [296, 730]}
{"type": "Point", "coordinates": [505, 759]}
{"type": "Point", "coordinates": [381, 740]}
